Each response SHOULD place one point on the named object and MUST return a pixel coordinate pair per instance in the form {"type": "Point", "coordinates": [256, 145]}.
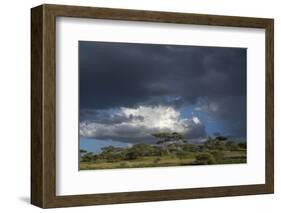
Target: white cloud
{"type": "Point", "coordinates": [139, 123]}
{"type": "Point", "coordinates": [196, 120]}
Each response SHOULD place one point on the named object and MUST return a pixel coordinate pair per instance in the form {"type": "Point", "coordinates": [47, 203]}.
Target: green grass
{"type": "Point", "coordinates": [140, 162]}
{"type": "Point", "coordinates": [230, 157]}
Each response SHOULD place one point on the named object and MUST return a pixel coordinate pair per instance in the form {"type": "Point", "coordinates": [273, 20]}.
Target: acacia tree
{"type": "Point", "coordinates": [81, 152]}
{"type": "Point", "coordinates": [167, 136]}
{"type": "Point", "coordinates": [112, 153]}
{"type": "Point", "coordinates": [218, 143]}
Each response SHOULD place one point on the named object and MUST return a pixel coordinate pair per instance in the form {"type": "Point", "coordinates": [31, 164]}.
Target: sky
{"type": "Point", "coordinates": [129, 91]}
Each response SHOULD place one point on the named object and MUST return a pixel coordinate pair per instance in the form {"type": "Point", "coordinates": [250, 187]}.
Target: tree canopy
{"type": "Point", "coordinates": [169, 136]}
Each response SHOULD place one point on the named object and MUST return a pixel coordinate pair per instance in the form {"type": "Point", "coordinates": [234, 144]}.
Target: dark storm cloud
{"type": "Point", "coordinates": [107, 117]}
{"type": "Point", "coordinates": [229, 109]}
{"type": "Point", "coordinates": [116, 75]}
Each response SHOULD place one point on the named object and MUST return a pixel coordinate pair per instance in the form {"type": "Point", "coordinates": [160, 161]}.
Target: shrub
{"type": "Point", "coordinates": [83, 151]}
{"type": "Point", "coordinates": [231, 146]}
{"type": "Point", "coordinates": [242, 145]}
{"type": "Point", "coordinates": [124, 164]}
{"type": "Point", "coordinates": [191, 148]}
{"type": "Point", "coordinates": [218, 156]}
{"type": "Point", "coordinates": [156, 160]}
{"type": "Point", "coordinates": [87, 157]}
{"type": "Point", "coordinates": [182, 154]}
{"type": "Point", "coordinates": [205, 159]}
{"type": "Point", "coordinates": [142, 149]}
{"type": "Point", "coordinates": [131, 155]}
{"type": "Point", "coordinates": [215, 144]}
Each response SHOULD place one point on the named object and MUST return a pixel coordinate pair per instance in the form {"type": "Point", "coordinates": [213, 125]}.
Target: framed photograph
{"type": "Point", "coordinates": [136, 106]}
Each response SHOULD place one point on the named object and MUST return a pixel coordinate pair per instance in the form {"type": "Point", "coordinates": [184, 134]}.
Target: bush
{"type": "Point", "coordinates": [131, 155]}
{"type": "Point", "coordinates": [215, 144]}
{"type": "Point", "coordinates": [156, 160]}
{"type": "Point", "coordinates": [231, 146]}
{"type": "Point", "coordinates": [87, 157]}
{"type": "Point", "coordinates": [191, 148]}
{"type": "Point", "coordinates": [142, 149]}
{"type": "Point", "coordinates": [160, 151]}
{"type": "Point", "coordinates": [205, 159]}
{"type": "Point", "coordinates": [124, 164]}
{"type": "Point", "coordinates": [218, 155]}
{"type": "Point", "coordinates": [182, 155]}
{"type": "Point", "coordinates": [242, 145]}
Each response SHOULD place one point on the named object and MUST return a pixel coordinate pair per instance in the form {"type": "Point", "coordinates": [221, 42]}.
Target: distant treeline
{"type": "Point", "coordinates": [213, 151]}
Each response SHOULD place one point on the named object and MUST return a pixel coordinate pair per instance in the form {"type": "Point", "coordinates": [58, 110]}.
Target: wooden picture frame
{"type": "Point", "coordinates": [43, 105]}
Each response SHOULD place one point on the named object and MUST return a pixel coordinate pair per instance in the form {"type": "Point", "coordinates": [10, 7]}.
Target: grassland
{"type": "Point", "coordinates": [190, 158]}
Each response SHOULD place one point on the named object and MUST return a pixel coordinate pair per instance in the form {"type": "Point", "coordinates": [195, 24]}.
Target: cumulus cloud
{"type": "Point", "coordinates": [137, 124]}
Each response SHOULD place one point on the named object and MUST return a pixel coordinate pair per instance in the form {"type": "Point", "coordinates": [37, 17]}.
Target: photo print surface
{"type": "Point", "coordinates": [158, 105]}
